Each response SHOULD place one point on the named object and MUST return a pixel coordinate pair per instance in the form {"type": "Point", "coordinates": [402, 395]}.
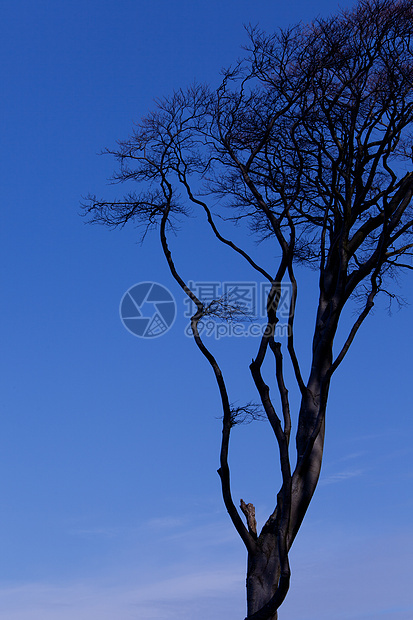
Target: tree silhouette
{"type": "Point", "coordinates": [308, 143]}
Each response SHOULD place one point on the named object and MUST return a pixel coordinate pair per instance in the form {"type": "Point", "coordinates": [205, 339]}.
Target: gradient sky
{"type": "Point", "coordinates": [110, 501]}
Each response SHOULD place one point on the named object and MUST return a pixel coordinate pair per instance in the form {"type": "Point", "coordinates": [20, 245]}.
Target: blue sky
{"type": "Point", "coordinates": [110, 501]}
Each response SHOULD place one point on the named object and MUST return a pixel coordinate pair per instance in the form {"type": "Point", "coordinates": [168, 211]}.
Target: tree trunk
{"type": "Point", "coordinates": [263, 573]}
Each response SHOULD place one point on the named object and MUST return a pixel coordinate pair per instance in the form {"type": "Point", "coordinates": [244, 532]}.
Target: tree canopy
{"type": "Point", "coordinates": [308, 142]}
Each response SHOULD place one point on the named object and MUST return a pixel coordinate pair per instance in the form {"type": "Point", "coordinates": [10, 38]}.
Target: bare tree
{"type": "Point", "coordinates": [307, 141]}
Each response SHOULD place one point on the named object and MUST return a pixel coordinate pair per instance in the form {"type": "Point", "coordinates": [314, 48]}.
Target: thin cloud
{"type": "Point", "coordinates": [157, 601]}
{"type": "Point", "coordinates": [341, 476]}
{"type": "Point", "coordinates": [106, 532]}
{"type": "Point", "coordinates": [319, 592]}
{"type": "Point", "coordinates": [161, 523]}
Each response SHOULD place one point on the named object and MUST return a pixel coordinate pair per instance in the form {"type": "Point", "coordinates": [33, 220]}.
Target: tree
{"type": "Point", "coordinates": [307, 141]}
